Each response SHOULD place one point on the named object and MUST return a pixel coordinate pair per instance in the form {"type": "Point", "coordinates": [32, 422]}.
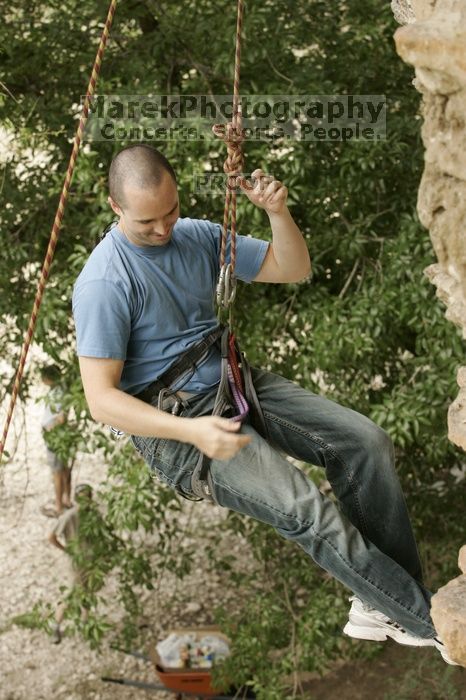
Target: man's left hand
{"type": "Point", "coordinates": [265, 192]}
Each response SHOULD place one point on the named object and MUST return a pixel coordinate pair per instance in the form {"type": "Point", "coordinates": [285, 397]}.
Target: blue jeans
{"type": "Point", "coordinates": [365, 540]}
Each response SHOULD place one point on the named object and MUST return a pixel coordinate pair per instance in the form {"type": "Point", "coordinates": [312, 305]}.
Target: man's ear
{"type": "Point", "coordinates": [114, 206]}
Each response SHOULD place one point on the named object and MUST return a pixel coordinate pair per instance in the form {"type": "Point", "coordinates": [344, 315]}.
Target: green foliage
{"type": "Point", "coordinates": [37, 618]}
{"type": "Point", "coordinates": [64, 441]}
{"type": "Point", "coordinates": [113, 539]}
{"type": "Point", "coordinates": [367, 329]}
{"type": "Point", "coordinates": [290, 618]}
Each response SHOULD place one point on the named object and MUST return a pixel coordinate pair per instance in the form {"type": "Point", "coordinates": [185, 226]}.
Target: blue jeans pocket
{"type": "Point", "coordinates": [170, 462]}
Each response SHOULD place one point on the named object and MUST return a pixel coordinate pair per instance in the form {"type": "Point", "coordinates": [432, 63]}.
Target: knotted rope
{"type": "Point", "coordinates": [49, 255]}
{"type": "Point", "coordinates": [233, 136]}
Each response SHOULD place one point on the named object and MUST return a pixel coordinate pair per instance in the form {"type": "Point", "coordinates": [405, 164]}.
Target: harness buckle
{"type": "Point", "coordinates": [176, 407]}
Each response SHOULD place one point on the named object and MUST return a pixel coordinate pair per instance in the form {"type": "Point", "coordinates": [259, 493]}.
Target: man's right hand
{"type": "Point", "coordinates": [214, 436]}
{"type": "Point", "coordinates": [217, 437]}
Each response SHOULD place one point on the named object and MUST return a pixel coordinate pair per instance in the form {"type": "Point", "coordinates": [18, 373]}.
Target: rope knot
{"type": "Point", "coordinates": [233, 138]}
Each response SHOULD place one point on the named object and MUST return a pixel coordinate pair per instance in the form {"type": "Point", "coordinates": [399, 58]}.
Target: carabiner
{"type": "Point", "coordinates": [221, 286]}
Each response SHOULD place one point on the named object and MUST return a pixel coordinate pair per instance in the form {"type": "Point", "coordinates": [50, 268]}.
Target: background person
{"type": "Point", "coordinates": [52, 417]}
{"type": "Point", "coordinates": [66, 531]}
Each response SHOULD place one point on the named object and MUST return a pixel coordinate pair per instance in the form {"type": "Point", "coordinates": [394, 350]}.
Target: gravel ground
{"type": "Point", "coordinates": [32, 668]}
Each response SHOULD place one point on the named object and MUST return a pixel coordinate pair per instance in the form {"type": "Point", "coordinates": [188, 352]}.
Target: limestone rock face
{"type": "Point", "coordinates": [433, 40]}
{"type": "Point", "coordinates": [462, 559]}
{"type": "Point", "coordinates": [457, 422]}
{"type": "Point", "coordinates": [449, 613]}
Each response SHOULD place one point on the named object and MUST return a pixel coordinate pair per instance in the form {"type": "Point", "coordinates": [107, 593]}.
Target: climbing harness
{"type": "Point", "coordinates": [235, 393]}
{"type": "Point", "coordinates": [159, 389]}
{"type": "Point", "coordinates": [232, 393]}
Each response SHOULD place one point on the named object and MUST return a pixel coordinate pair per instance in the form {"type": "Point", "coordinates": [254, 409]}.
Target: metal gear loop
{"type": "Point", "coordinates": [226, 287]}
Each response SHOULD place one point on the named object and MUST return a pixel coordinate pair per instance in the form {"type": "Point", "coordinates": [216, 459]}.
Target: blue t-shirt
{"type": "Point", "coordinates": [147, 304]}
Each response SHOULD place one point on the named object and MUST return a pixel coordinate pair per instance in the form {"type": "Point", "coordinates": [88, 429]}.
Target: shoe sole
{"type": "Point", "coordinates": [379, 635]}
{"type": "Point", "coordinates": [370, 634]}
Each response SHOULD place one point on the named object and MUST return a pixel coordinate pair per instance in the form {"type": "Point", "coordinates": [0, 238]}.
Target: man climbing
{"type": "Point", "coordinates": [145, 295]}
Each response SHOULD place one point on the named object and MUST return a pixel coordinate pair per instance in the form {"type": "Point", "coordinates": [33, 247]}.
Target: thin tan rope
{"type": "Point", "coordinates": [233, 136]}
{"type": "Point", "coordinates": [57, 222]}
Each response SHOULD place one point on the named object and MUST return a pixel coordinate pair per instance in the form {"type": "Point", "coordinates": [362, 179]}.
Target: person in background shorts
{"type": "Point", "coordinates": [52, 417]}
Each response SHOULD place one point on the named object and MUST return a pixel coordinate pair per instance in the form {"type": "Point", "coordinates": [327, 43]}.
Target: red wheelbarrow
{"type": "Point", "coordinates": [182, 682]}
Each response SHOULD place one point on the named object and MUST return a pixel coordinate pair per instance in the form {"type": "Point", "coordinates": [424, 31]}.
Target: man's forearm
{"type": "Point", "coordinates": [289, 247]}
{"type": "Point", "coordinates": [115, 407]}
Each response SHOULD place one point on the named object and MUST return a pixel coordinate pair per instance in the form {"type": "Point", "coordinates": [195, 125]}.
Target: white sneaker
{"type": "Point", "coordinates": [366, 622]}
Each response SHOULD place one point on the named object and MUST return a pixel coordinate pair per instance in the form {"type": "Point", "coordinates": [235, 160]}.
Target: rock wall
{"type": "Point", "coordinates": [433, 40]}
{"type": "Point", "coordinates": [449, 613]}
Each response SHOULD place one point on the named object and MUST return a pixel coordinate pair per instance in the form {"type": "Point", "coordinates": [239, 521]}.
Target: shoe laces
{"type": "Point", "coordinates": [379, 615]}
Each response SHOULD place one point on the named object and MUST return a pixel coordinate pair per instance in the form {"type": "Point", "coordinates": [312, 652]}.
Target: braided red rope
{"type": "Point", "coordinates": [233, 136]}
{"type": "Point", "coordinates": [57, 221]}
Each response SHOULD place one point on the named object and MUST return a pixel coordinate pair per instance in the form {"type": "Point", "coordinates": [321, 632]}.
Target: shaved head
{"type": "Point", "coordinates": [138, 167]}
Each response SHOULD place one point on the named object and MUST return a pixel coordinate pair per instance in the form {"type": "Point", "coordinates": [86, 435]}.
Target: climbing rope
{"type": "Point", "coordinates": [49, 255]}
{"type": "Point", "coordinates": [233, 136]}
